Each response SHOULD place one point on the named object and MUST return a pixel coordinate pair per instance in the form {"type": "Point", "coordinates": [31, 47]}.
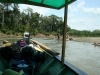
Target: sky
{"type": "Point", "coordinates": [82, 14]}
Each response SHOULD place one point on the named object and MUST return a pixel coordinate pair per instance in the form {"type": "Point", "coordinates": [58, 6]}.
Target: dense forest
{"type": "Point", "coordinates": [13, 21]}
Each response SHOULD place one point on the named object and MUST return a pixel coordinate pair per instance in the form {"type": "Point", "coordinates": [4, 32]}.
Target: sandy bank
{"type": "Point", "coordinates": [87, 39]}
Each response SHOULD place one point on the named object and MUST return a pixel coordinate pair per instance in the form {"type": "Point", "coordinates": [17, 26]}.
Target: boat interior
{"type": "Point", "coordinates": [29, 61]}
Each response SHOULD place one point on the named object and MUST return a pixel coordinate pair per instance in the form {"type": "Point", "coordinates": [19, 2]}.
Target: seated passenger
{"type": "Point", "coordinates": [21, 43]}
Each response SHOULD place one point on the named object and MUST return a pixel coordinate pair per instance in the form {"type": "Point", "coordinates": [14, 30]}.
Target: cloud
{"type": "Point", "coordinates": [76, 8]}
{"type": "Point", "coordinates": [40, 10]}
{"type": "Point", "coordinates": [76, 24]}
{"type": "Point", "coordinates": [70, 15]}
{"type": "Point", "coordinates": [91, 10]}
{"type": "Point", "coordinates": [85, 23]}
{"type": "Point", "coordinates": [73, 8]}
{"type": "Point", "coordinates": [77, 21]}
{"type": "Point", "coordinates": [81, 4]}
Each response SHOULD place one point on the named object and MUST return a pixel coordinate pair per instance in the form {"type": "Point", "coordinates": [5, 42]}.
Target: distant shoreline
{"type": "Point", "coordinates": [32, 36]}
{"type": "Point", "coordinates": [78, 39]}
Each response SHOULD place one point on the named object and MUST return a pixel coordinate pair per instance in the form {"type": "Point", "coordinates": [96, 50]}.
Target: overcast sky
{"type": "Point", "coordinates": [82, 14]}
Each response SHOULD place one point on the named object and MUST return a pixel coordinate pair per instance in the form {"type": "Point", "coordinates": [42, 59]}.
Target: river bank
{"type": "Point", "coordinates": [32, 36]}
{"type": "Point", "coordinates": [87, 39]}
{"type": "Point", "coordinates": [78, 39]}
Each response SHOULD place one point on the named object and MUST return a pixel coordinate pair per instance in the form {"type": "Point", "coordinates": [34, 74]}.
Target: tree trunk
{"type": "Point", "coordinates": [2, 17]}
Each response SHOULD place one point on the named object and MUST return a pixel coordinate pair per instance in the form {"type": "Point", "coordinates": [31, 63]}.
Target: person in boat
{"type": "Point", "coordinates": [21, 43]}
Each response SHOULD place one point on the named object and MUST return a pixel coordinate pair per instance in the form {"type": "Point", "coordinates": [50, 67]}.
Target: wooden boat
{"type": "Point", "coordinates": [37, 59]}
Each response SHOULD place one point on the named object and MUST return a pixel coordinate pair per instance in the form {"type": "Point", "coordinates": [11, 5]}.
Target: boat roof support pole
{"type": "Point", "coordinates": [64, 32]}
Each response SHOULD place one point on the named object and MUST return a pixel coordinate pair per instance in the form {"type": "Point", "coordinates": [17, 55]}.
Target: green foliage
{"type": "Point", "coordinates": [35, 31]}
{"type": "Point", "coordinates": [27, 27]}
{"type": "Point", "coordinates": [54, 33]}
{"type": "Point", "coordinates": [4, 31]}
{"type": "Point", "coordinates": [46, 33]}
{"type": "Point", "coordinates": [12, 21]}
{"type": "Point", "coordinates": [9, 32]}
{"type": "Point", "coordinates": [84, 33]}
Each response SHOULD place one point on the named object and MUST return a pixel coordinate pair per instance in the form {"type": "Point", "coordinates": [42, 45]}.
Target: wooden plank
{"type": "Point", "coordinates": [47, 49]}
{"type": "Point", "coordinates": [41, 45]}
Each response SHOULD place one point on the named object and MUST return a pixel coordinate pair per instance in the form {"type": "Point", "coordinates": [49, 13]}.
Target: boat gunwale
{"type": "Point", "coordinates": [75, 69]}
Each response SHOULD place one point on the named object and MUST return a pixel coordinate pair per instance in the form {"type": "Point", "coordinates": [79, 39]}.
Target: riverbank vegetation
{"type": "Point", "coordinates": [16, 22]}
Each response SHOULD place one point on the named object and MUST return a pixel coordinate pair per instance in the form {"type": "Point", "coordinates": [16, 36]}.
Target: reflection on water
{"type": "Point", "coordinates": [83, 55]}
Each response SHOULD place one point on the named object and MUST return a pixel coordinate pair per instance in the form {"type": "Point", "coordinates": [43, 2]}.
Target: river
{"type": "Point", "coordinates": [83, 55]}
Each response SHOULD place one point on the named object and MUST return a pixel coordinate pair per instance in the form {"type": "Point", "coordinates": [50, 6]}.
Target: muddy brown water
{"type": "Point", "coordinates": [83, 55]}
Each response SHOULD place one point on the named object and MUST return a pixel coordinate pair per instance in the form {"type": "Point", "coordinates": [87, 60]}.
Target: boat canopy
{"type": "Point", "coordinates": [54, 4]}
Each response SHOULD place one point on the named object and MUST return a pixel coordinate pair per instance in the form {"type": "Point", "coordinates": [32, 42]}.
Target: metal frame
{"type": "Point", "coordinates": [64, 32]}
